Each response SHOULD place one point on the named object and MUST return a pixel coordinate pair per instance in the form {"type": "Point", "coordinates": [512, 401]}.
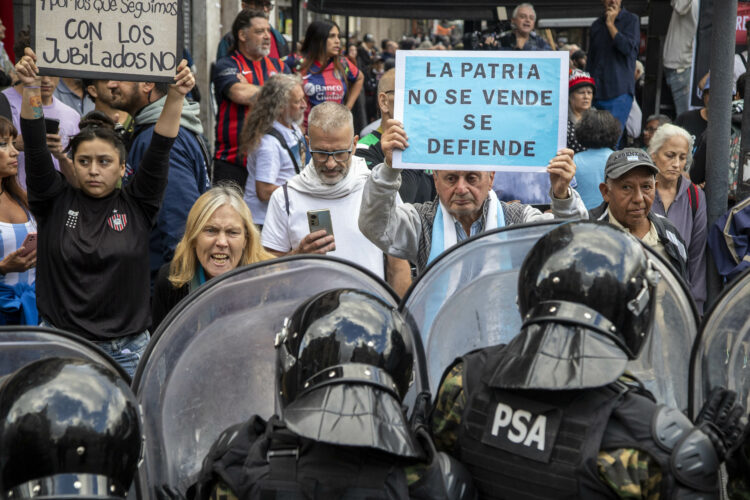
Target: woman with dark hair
{"type": "Point", "coordinates": [598, 132]}
{"type": "Point", "coordinates": [93, 262]}
{"type": "Point", "coordinates": [327, 75]}
{"type": "Point", "coordinates": [17, 273]}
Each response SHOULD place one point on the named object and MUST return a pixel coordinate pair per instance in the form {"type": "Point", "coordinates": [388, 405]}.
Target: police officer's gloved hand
{"type": "Point", "coordinates": [722, 420]}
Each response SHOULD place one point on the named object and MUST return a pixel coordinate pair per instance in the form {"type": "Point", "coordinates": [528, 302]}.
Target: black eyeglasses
{"type": "Point", "coordinates": [340, 156]}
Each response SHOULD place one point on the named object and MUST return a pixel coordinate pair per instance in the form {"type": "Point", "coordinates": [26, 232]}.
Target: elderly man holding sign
{"type": "Point", "coordinates": [468, 115]}
{"type": "Point", "coordinates": [465, 205]}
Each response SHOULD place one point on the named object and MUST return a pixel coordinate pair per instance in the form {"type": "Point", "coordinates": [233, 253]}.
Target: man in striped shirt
{"type": "Point", "coordinates": [237, 78]}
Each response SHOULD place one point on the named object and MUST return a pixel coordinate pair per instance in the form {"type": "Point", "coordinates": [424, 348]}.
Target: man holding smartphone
{"type": "Point", "coordinates": [327, 193]}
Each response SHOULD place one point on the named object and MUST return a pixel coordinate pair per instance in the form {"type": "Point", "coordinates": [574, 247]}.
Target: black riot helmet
{"type": "Point", "coordinates": [69, 428]}
{"type": "Point", "coordinates": [344, 327]}
{"type": "Point", "coordinates": [343, 352]}
{"type": "Point", "coordinates": [590, 275]}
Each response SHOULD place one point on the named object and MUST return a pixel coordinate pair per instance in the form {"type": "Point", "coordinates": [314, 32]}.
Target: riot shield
{"type": "Point", "coordinates": [721, 353]}
{"type": "Point", "coordinates": [467, 299]}
{"type": "Point", "coordinates": [20, 345]}
{"type": "Point", "coordinates": [211, 363]}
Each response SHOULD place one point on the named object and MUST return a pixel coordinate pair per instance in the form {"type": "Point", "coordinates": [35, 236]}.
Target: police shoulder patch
{"type": "Point", "coordinates": [523, 427]}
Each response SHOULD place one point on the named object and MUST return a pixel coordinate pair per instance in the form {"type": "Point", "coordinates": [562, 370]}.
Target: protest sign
{"type": "Point", "coordinates": [108, 39]}
{"type": "Point", "coordinates": [498, 111]}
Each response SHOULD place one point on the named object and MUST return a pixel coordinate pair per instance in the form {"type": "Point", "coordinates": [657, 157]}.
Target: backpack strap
{"type": "Point", "coordinates": [277, 135]}
{"type": "Point", "coordinates": [283, 453]}
{"type": "Point", "coordinates": [286, 198]}
{"type": "Point", "coordinates": [692, 193]}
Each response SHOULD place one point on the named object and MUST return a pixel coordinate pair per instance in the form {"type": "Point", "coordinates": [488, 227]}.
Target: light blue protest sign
{"type": "Point", "coordinates": [498, 111]}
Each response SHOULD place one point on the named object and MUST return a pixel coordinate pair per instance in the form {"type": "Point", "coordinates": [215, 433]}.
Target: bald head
{"type": "Point", "coordinates": [385, 93]}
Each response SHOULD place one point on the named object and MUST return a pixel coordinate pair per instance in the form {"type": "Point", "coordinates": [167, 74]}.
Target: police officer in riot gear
{"type": "Point", "coordinates": [344, 363]}
{"type": "Point", "coordinates": [553, 414]}
{"type": "Point", "coordinates": [69, 429]}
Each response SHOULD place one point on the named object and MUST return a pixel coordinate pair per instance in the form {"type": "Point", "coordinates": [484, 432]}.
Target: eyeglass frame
{"type": "Point", "coordinates": [330, 154]}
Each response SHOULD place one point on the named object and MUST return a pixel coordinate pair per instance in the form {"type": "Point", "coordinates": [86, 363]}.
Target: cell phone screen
{"type": "Point", "coordinates": [52, 125]}
{"type": "Point", "coordinates": [29, 243]}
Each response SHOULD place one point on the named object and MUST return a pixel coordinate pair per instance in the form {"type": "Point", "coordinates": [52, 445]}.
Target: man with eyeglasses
{"type": "Point", "coordinates": [279, 47]}
{"type": "Point", "coordinates": [416, 185]}
{"type": "Point", "coordinates": [332, 180]}
{"type": "Point", "coordinates": [522, 36]}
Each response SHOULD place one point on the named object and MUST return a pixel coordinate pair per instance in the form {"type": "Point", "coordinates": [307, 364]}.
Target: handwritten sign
{"type": "Point", "coordinates": [499, 111]}
{"type": "Point", "coordinates": [138, 40]}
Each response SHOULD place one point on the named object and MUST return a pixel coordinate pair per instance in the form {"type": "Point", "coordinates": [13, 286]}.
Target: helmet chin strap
{"type": "Point", "coordinates": [639, 303]}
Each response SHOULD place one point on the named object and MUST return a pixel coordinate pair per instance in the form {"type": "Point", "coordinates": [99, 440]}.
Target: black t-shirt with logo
{"type": "Point", "coordinates": [92, 257]}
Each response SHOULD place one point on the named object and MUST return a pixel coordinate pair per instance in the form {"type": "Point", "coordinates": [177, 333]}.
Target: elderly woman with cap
{"type": "Point", "coordinates": [581, 89]}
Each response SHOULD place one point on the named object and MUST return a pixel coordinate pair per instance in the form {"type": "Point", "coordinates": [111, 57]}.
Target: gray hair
{"type": "Point", "coordinates": [661, 118]}
{"type": "Point", "coordinates": [666, 132]}
{"type": "Point", "coordinates": [268, 107]}
{"type": "Point", "coordinates": [519, 6]}
{"type": "Point", "coordinates": [330, 116]}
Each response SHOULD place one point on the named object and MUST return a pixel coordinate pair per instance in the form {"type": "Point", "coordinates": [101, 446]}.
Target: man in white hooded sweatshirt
{"type": "Point", "coordinates": [332, 180]}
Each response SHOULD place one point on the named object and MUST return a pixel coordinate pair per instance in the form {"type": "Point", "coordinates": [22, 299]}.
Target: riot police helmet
{"type": "Point", "coordinates": [346, 350]}
{"type": "Point", "coordinates": [69, 428]}
{"type": "Point", "coordinates": [344, 327]}
{"type": "Point", "coordinates": [591, 275]}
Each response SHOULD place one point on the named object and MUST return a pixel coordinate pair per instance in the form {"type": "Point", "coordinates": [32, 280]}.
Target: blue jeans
{"type": "Point", "coordinates": [127, 351]}
{"type": "Point", "coordinates": [679, 84]}
{"type": "Point", "coordinates": [619, 107]}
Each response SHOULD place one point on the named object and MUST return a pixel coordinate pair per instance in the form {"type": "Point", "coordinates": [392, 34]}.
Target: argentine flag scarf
{"type": "Point", "coordinates": [444, 227]}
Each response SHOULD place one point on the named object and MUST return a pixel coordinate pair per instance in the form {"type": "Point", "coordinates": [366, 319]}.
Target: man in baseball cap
{"type": "Point", "coordinates": [628, 190]}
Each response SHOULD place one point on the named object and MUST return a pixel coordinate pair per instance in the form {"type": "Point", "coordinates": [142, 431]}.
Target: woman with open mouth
{"type": "Point", "coordinates": [219, 236]}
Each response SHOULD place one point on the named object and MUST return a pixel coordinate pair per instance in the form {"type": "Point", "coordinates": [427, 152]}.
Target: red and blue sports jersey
{"type": "Point", "coordinates": [231, 116]}
{"type": "Point", "coordinates": [326, 85]}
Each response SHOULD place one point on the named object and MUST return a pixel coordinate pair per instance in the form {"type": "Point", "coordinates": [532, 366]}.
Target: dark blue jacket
{"type": "Point", "coordinates": [611, 62]}
{"type": "Point", "coordinates": [187, 178]}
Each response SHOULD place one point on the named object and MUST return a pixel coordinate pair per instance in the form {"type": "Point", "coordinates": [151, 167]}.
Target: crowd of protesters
{"type": "Point", "coordinates": [264, 141]}
{"type": "Point", "coordinates": [115, 205]}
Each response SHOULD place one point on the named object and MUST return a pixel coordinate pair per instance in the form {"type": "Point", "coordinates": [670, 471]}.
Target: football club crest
{"type": "Point", "coordinates": [117, 221]}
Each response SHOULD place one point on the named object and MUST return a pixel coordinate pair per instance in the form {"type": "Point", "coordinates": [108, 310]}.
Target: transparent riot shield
{"type": "Point", "coordinates": [721, 355]}
{"type": "Point", "coordinates": [211, 363]}
{"type": "Point", "coordinates": [20, 345]}
{"type": "Point", "coordinates": [467, 299]}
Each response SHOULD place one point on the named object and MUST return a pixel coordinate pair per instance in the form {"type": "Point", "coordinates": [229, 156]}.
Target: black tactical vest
{"type": "Point", "coordinates": [535, 444]}
{"type": "Point", "coordinates": [276, 464]}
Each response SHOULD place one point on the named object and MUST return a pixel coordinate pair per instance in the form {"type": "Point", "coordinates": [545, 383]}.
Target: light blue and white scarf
{"type": "Point", "coordinates": [444, 227]}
